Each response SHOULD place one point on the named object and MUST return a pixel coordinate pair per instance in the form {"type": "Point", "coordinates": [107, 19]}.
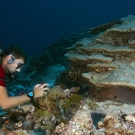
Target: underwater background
{"type": "Point", "coordinates": [50, 30]}
{"type": "Point", "coordinates": [34, 24]}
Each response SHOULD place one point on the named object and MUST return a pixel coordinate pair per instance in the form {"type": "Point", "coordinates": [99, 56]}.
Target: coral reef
{"type": "Point", "coordinates": [112, 125]}
{"type": "Point", "coordinates": [104, 61]}
{"type": "Point", "coordinates": [54, 108]}
{"type": "Point", "coordinates": [107, 59]}
{"type": "Point", "coordinates": [49, 100]}
{"type": "Point", "coordinates": [57, 96]}
{"type": "Point", "coordinates": [81, 124]}
{"type": "Point", "coordinates": [73, 102]}
{"type": "Point", "coordinates": [115, 121]}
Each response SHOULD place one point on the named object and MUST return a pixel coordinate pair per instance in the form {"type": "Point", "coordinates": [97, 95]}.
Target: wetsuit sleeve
{"type": "Point", "coordinates": [2, 76]}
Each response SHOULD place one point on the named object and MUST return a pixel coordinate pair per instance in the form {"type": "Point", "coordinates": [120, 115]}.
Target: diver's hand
{"type": "Point", "coordinates": [40, 90]}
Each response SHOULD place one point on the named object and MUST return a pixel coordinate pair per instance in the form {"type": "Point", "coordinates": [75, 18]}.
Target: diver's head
{"type": "Point", "coordinates": [13, 59]}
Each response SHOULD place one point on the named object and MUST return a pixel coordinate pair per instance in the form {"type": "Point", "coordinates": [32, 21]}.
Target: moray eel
{"type": "Point", "coordinates": [117, 94]}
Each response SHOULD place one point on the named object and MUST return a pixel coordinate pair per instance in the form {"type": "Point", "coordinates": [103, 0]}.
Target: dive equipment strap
{"type": "Point", "coordinates": [30, 94]}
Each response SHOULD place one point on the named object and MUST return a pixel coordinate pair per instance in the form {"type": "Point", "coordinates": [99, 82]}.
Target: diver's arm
{"type": "Point", "coordinates": [7, 102]}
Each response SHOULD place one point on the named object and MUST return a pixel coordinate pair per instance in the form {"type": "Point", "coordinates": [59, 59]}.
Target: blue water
{"type": "Point", "coordinates": [34, 24]}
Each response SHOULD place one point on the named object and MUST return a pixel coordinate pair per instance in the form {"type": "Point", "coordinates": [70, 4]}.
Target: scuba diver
{"type": "Point", "coordinates": [12, 60]}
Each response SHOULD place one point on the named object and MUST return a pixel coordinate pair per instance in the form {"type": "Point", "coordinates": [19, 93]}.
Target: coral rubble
{"type": "Point", "coordinates": [81, 124]}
